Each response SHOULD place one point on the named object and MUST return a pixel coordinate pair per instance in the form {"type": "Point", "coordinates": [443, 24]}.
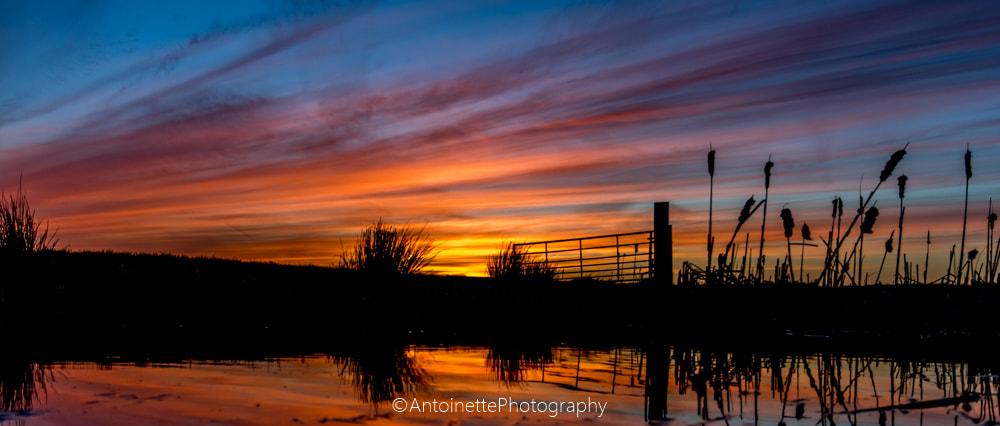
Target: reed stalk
{"type": "Point", "coordinates": [902, 211]}
{"type": "Point", "coordinates": [866, 228]}
{"type": "Point", "coordinates": [829, 237]}
{"type": "Point", "coordinates": [907, 270]}
{"type": "Point", "coordinates": [840, 222]}
{"type": "Point", "coordinates": [990, 265]}
{"type": "Point", "coordinates": [806, 236]}
{"type": "Point", "coordinates": [748, 210]}
{"type": "Point", "coordinates": [789, 224]}
{"type": "Point", "coordinates": [951, 260]}
{"type": "Point", "coordinates": [746, 251]}
{"type": "Point", "coordinates": [831, 257]}
{"type": "Point", "coordinates": [711, 195]}
{"type": "Point", "coordinates": [996, 260]}
{"type": "Point", "coordinates": [763, 221]}
{"type": "Point", "coordinates": [969, 273]}
{"type": "Point", "coordinates": [886, 172]}
{"type": "Point", "coordinates": [859, 260]}
{"type": "Point", "coordinates": [965, 216]}
{"type": "Point", "coordinates": [927, 255]}
{"type": "Point", "coordinates": [888, 249]}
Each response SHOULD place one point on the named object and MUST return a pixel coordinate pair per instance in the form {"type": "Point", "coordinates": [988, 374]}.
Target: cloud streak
{"type": "Point", "coordinates": [281, 134]}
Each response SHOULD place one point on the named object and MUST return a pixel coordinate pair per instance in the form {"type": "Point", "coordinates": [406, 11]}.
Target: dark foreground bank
{"type": "Point", "coordinates": [111, 302]}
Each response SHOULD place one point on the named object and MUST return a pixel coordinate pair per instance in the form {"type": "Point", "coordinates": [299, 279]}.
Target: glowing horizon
{"type": "Point", "coordinates": [276, 131]}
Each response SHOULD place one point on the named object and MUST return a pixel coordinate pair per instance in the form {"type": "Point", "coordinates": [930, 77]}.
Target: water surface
{"type": "Point", "coordinates": [615, 385]}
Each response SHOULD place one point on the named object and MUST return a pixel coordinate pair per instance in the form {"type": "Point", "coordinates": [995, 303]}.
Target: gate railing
{"type": "Point", "coordinates": [622, 258]}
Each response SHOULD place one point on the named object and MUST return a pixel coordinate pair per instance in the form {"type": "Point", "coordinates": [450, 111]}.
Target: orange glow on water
{"type": "Point", "coordinates": [317, 389]}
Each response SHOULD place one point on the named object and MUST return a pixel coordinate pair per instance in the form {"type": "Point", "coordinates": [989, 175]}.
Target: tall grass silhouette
{"type": "Point", "coordinates": [890, 166]}
{"type": "Point", "coordinates": [840, 266]}
{"type": "Point", "coordinates": [390, 250]}
{"type": "Point", "coordinates": [511, 262]}
{"type": "Point", "coordinates": [726, 271]}
{"type": "Point", "coordinates": [20, 229]}
{"type": "Point", "coordinates": [843, 262]}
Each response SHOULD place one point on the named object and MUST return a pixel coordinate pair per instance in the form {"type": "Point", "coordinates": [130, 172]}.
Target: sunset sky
{"type": "Point", "coordinates": [276, 130]}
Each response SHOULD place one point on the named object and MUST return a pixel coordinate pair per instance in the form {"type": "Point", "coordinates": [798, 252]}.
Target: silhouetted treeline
{"type": "Point", "coordinates": [101, 299]}
{"type": "Point", "coordinates": [112, 300]}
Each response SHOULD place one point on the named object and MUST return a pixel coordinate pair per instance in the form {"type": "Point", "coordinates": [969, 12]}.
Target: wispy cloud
{"type": "Point", "coordinates": [276, 133]}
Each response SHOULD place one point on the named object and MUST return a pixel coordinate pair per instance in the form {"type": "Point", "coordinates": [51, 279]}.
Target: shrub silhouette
{"type": "Point", "coordinates": [20, 230]}
{"type": "Point", "coordinates": [513, 262]}
{"type": "Point", "coordinates": [390, 250]}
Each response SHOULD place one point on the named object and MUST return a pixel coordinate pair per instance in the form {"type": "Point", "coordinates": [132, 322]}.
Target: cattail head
{"type": "Point", "coordinates": [745, 213]}
{"type": "Point", "coordinates": [888, 245]}
{"type": "Point", "coordinates": [787, 222]}
{"type": "Point", "coordinates": [840, 207]}
{"type": "Point", "coordinates": [891, 164]}
{"type": "Point", "coordinates": [902, 185]}
{"type": "Point", "coordinates": [973, 253]}
{"type": "Point", "coordinates": [806, 235]}
{"type": "Point", "coordinates": [767, 173]}
{"type": "Point", "coordinates": [711, 163]}
{"type": "Point", "coordinates": [834, 214]}
{"type": "Point", "coordinates": [968, 164]}
{"type": "Point", "coordinates": [992, 218]}
{"type": "Point", "coordinates": [869, 222]}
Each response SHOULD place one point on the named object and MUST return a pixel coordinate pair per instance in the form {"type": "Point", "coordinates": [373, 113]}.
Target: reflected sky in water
{"type": "Point", "coordinates": [359, 386]}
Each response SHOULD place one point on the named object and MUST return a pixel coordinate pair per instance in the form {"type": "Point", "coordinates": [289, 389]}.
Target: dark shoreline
{"type": "Point", "coordinates": [103, 304]}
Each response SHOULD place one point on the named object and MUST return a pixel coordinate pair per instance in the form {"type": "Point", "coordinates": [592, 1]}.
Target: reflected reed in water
{"type": "Point", "coordinates": [509, 363]}
{"type": "Point", "coordinates": [382, 372]}
{"type": "Point", "coordinates": [841, 387]}
{"type": "Point", "coordinates": [21, 383]}
{"type": "Point", "coordinates": [684, 385]}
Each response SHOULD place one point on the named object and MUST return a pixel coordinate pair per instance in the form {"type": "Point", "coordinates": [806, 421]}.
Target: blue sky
{"type": "Point", "coordinates": [276, 130]}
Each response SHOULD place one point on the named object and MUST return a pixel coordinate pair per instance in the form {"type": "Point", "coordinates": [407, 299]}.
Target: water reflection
{"type": "Point", "coordinates": [680, 385]}
{"type": "Point", "coordinates": [382, 372]}
{"type": "Point", "coordinates": [21, 383]}
{"type": "Point", "coordinates": [509, 363]}
{"type": "Point", "coordinates": [843, 388]}
{"type": "Point", "coordinates": [657, 382]}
